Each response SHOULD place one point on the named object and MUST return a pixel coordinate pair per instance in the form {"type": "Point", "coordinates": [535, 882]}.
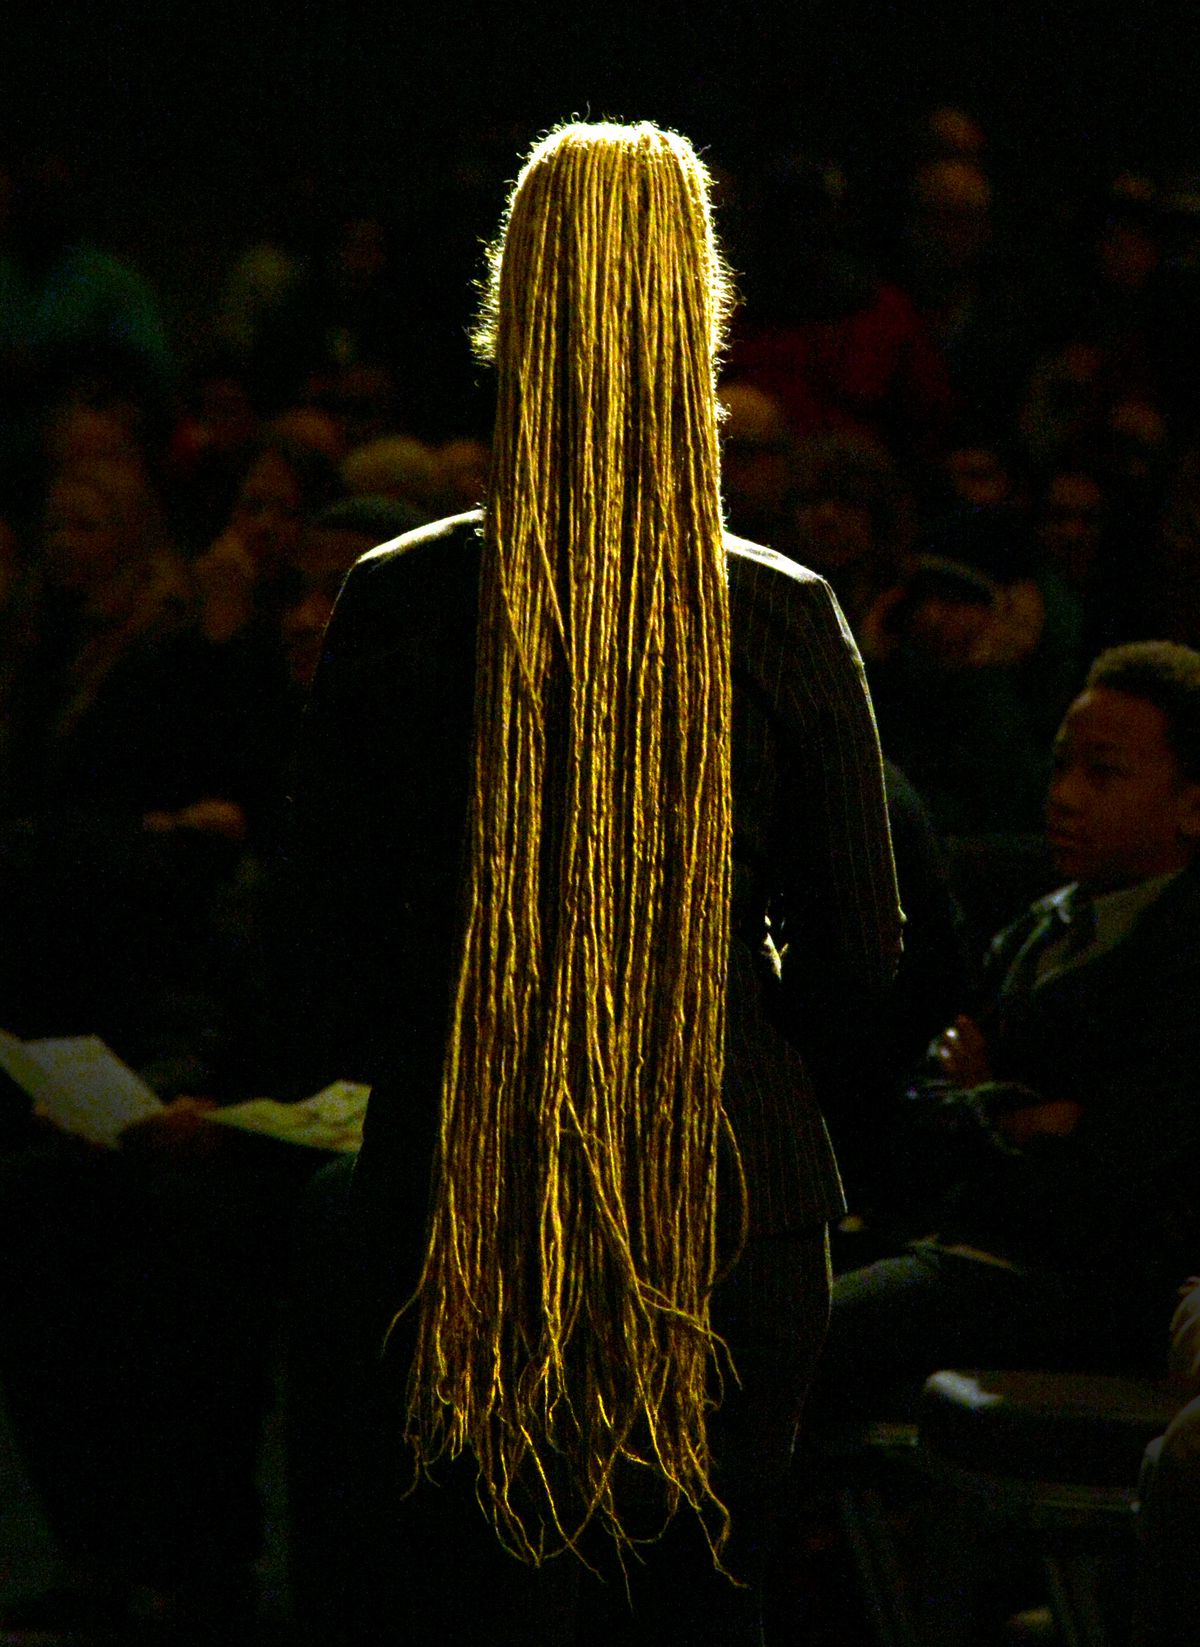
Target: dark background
{"type": "Point", "coordinates": [220, 86]}
{"type": "Point", "coordinates": [190, 128]}
{"type": "Point", "coordinates": [193, 105]}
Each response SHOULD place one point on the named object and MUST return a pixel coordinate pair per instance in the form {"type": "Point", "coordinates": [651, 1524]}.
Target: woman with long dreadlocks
{"type": "Point", "coordinates": [592, 798]}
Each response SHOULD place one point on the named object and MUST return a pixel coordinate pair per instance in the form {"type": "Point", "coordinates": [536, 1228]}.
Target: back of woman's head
{"type": "Point", "coordinates": [605, 306]}
{"type": "Point", "coordinates": [603, 217]}
{"type": "Point", "coordinates": [564, 1305]}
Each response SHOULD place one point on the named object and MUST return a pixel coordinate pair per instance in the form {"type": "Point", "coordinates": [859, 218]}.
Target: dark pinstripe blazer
{"type": "Point", "coordinates": [382, 800]}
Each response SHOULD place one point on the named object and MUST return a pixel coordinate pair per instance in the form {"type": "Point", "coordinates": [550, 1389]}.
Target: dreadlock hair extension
{"type": "Point", "coordinates": [563, 1311]}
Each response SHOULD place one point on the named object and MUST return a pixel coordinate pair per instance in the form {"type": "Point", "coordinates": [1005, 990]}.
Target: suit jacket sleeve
{"type": "Point", "coordinates": [820, 840]}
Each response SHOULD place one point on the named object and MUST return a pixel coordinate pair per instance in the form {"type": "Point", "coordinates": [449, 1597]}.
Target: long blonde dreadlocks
{"type": "Point", "coordinates": [563, 1319]}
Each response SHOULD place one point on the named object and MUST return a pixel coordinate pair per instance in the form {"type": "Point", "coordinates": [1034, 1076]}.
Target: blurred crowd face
{"type": "Point", "coordinates": [952, 133]}
{"type": "Point", "coordinates": [311, 428]}
{"type": "Point", "coordinates": [950, 221]}
{"type": "Point", "coordinates": [949, 632]}
{"type": "Point", "coordinates": [1138, 438]}
{"type": "Point", "coordinates": [1120, 810]}
{"type": "Point", "coordinates": [1129, 255]}
{"type": "Point", "coordinates": [397, 467]}
{"type": "Point", "coordinates": [463, 467]}
{"type": "Point", "coordinates": [1071, 523]}
{"type": "Point", "coordinates": [978, 475]}
{"type": "Point", "coordinates": [756, 458]}
{"type": "Point", "coordinates": [78, 433]}
{"type": "Point", "coordinates": [834, 533]}
{"type": "Point", "coordinates": [268, 513]}
{"type": "Point", "coordinates": [362, 400]}
{"type": "Point", "coordinates": [84, 544]}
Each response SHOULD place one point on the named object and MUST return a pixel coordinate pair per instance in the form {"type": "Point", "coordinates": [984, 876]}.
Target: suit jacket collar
{"type": "Point", "coordinates": [1166, 927]}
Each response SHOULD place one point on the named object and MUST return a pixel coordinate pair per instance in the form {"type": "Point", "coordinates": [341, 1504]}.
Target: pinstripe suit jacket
{"type": "Point", "coordinates": [382, 800]}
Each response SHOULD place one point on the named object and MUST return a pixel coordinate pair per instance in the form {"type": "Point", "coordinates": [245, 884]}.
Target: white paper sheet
{"type": "Point", "coordinates": [79, 1084]}
{"type": "Point", "coordinates": [331, 1119]}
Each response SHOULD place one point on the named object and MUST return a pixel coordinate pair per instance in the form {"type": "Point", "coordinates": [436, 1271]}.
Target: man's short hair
{"type": "Point", "coordinates": [1166, 675]}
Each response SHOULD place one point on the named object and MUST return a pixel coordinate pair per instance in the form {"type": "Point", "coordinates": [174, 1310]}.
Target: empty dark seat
{"type": "Point", "coordinates": [1055, 1457]}
{"type": "Point", "coordinates": [1088, 1430]}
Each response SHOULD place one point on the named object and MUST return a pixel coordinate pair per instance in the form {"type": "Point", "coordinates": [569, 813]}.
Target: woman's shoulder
{"type": "Point", "coordinates": [421, 587]}
{"type": "Point", "coordinates": [424, 544]}
{"type": "Point", "coordinates": [748, 562]}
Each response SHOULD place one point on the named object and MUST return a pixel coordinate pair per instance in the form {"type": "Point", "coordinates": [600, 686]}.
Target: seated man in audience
{"type": "Point", "coordinates": [1062, 1112]}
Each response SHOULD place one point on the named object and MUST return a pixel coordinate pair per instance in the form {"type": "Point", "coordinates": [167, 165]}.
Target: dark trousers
{"type": "Point", "coordinates": [375, 1566]}
{"type": "Point", "coordinates": [1168, 1601]}
{"type": "Point", "coordinates": [896, 1321]}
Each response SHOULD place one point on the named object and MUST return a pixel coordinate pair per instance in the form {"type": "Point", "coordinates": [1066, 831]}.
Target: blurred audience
{"type": "Point", "coordinates": [758, 466]}
{"type": "Point", "coordinates": [982, 428]}
{"type": "Point", "coordinates": [853, 521]}
{"type": "Point", "coordinates": [395, 466]}
{"type": "Point", "coordinates": [69, 311]}
{"type": "Point", "coordinates": [88, 653]}
{"type": "Point", "coordinates": [839, 348]}
{"type": "Point", "coordinates": [949, 268]}
{"type": "Point", "coordinates": [329, 545]}
{"type": "Point", "coordinates": [242, 576]}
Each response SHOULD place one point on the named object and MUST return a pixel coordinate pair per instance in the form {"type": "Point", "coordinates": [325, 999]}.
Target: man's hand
{"type": "Point", "coordinates": [962, 1054]}
{"type": "Point", "coordinates": [1054, 1120]}
{"type": "Point", "coordinates": [178, 1133]}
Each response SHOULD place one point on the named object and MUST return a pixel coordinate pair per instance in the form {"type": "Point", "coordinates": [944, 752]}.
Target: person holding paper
{"type": "Point", "coordinates": [141, 1249]}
